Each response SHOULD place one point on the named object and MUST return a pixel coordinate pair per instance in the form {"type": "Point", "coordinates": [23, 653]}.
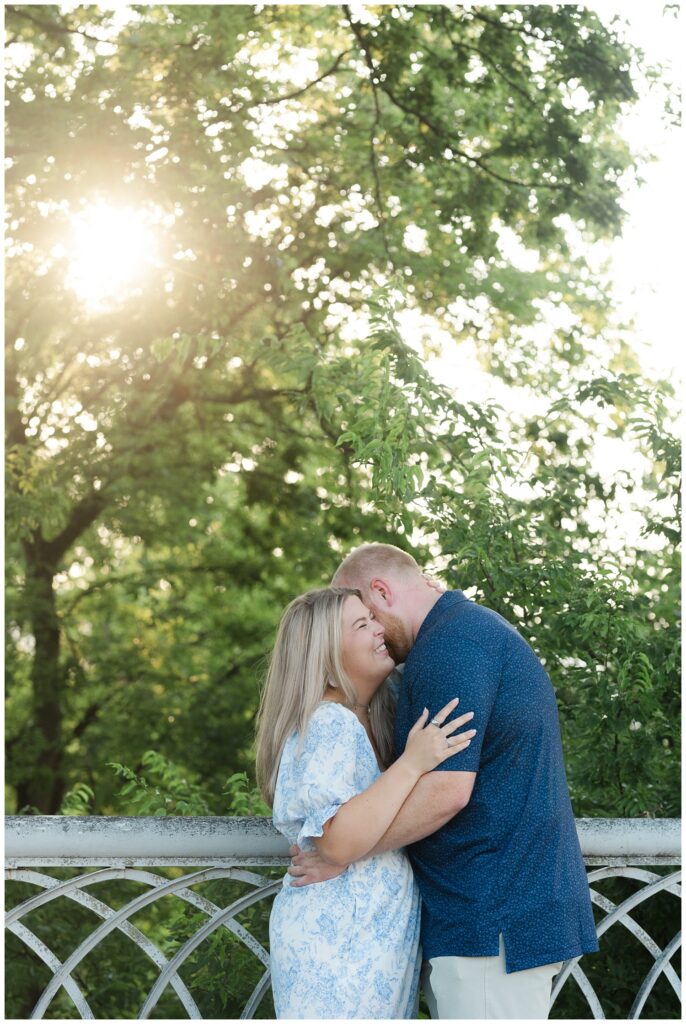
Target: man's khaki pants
{"type": "Point", "coordinates": [478, 988]}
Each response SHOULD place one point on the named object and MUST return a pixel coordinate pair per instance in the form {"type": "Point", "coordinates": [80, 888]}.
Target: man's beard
{"type": "Point", "coordinates": [398, 638]}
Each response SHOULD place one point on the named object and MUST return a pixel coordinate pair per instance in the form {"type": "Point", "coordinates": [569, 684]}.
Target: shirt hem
{"type": "Point", "coordinates": [548, 958]}
{"type": "Point", "coordinates": [512, 966]}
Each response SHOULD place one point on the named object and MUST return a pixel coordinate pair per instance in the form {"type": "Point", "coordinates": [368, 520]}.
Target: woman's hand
{"type": "Point", "coordinates": [308, 867]}
{"type": "Point", "coordinates": [358, 826]}
{"type": "Point", "coordinates": [430, 745]}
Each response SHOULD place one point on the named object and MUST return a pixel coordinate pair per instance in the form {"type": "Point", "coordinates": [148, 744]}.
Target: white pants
{"type": "Point", "coordinates": [478, 988]}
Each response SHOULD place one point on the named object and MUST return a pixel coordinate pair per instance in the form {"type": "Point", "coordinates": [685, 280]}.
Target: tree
{"type": "Point", "coordinates": [188, 450]}
{"type": "Point", "coordinates": [515, 507]}
{"type": "Point", "coordinates": [418, 141]}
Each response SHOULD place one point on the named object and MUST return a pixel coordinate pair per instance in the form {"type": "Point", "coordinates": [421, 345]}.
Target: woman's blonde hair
{"type": "Point", "coordinates": [305, 660]}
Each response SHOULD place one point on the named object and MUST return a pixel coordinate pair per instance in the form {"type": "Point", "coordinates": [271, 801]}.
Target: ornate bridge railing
{"type": "Point", "coordinates": [201, 850]}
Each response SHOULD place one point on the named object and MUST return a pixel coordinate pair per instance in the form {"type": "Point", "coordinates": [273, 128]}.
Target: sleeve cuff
{"type": "Point", "coordinates": [313, 825]}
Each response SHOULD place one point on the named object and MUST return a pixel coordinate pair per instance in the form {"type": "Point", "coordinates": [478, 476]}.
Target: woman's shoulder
{"type": "Point", "coordinates": [329, 713]}
{"type": "Point", "coordinates": [330, 722]}
{"type": "Point", "coordinates": [328, 719]}
{"type": "Point", "coordinates": [332, 708]}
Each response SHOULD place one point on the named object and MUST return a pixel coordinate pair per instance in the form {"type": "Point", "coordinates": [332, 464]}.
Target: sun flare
{"type": "Point", "coordinates": [111, 249]}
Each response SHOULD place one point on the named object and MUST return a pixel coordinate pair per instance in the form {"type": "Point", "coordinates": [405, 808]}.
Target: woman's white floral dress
{"type": "Point", "coordinates": [349, 947]}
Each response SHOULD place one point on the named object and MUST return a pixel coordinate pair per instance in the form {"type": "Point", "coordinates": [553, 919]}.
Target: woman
{"type": "Point", "coordinates": [348, 947]}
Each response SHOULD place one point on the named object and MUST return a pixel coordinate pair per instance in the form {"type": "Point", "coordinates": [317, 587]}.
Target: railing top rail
{"type": "Point", "coordinates": [72, 841]}
{"type": "Point", "coordinates": [635, 838]}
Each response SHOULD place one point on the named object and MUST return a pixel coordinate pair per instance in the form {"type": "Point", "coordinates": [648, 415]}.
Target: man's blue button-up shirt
{"type": "Point", "coordinates": [510, 862]}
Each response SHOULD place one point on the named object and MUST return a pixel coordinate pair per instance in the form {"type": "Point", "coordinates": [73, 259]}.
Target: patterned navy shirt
{"type": "Point", "coordinates": [510, 861]}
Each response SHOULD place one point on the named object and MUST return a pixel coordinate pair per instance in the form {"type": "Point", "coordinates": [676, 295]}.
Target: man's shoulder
{"type": "Point", "coordinates": [465, 636]}
{"type": "Point", "coordinates": [465, 622]}
{"type": "Point", "coordinates": [469, 635]}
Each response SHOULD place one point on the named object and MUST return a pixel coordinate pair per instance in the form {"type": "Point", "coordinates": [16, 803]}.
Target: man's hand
{"type": "Point", "coordinates": [434, 584]}
{"type": "Point", "coordinates": [310, 867]}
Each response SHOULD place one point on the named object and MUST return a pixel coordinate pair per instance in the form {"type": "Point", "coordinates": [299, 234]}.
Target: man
{"type": "Point", "coordinates": [491, 833]}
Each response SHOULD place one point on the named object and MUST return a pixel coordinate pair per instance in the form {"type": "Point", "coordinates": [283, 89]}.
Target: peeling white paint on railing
{"type": "Point", "coordinates": [56, 839]}
{"type": "Point", "coordinates": [630, 840]}
{"type": "Point", "coordinates": [223, 847]}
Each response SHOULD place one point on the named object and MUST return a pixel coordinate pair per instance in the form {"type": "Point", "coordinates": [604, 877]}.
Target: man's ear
{"type": "Point", "coordinates": [381, 590]}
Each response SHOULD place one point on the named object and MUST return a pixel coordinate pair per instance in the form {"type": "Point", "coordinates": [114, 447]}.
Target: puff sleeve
{"type": "Point", "coordinates": [318, 775]}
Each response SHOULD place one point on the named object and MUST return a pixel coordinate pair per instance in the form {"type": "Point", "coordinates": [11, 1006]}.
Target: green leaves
{"type": "Point", "coordinates": [161, 790]}
{"type": "Point", "coordinates": [210, 441]}
{"type": "Point", "coordinates": [243, 796]}
{"type": "Point", "coordinates": [164, 789]}
{"type": "Point", "coordinates": [78, 801]}
{"type": "Point", "coordinates": [256, 404]}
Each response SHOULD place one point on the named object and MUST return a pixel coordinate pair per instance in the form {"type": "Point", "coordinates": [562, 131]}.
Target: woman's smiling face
{"type": "Point", "coordinates": [364, 654]}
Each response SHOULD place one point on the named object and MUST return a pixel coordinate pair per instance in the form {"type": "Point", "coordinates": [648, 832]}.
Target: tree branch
{"type": "Point", "coordinates": [16, 430]}
{"type": "Point", "coordinates": [477, 161]}
{"type": "Point", "coordinates": [542, 37]}
{"type": "Point", "coordinates": [84, 513]}
{"type": "Point", "coordinates": [88, 718]}
{"type": "Point", "coordinates": [271, 100]}
{"type": "Point", "coordinates": [496, 67]}
{"type": "Point", "coordinates": [374, 80]}
{"type": "Point", "coordinates": [440, 132]}
{"type": "Point", "coordinates": [238, 397]}
{"type": "Point", "coordinates": [52, 27]}
{"type": "Point", "coordinates": [305, 88]}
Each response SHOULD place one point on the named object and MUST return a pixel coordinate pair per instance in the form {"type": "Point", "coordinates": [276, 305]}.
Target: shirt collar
{"type": "Point", "coordinates": [445, 601]}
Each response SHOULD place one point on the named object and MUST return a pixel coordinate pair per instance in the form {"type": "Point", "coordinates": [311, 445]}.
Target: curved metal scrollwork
{"type": "Point", "coordinates": [223, 848]}
{"type": "Point", "coordinates": [654, 883]}
{"type": "Point", "coordinates": [111, 920]}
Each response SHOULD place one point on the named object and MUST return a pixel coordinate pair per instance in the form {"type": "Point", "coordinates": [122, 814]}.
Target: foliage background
{"type": "Point", "coordinates": [185, 455]}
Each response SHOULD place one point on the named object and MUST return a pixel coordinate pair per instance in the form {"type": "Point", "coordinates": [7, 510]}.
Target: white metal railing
{"type": "Point", "coordinates": [124, 848]}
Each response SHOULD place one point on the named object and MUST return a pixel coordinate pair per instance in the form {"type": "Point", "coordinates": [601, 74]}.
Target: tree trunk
{"type": "Point", "coordinates": [44, 787]}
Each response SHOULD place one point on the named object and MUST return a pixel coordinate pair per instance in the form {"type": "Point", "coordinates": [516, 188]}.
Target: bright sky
{"type": "Point", "coordinates": [648, 260]}
{"type": "Point", "coordinates": [646, 274]}
{"type": "Point", "coordinates": [646, 264]}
